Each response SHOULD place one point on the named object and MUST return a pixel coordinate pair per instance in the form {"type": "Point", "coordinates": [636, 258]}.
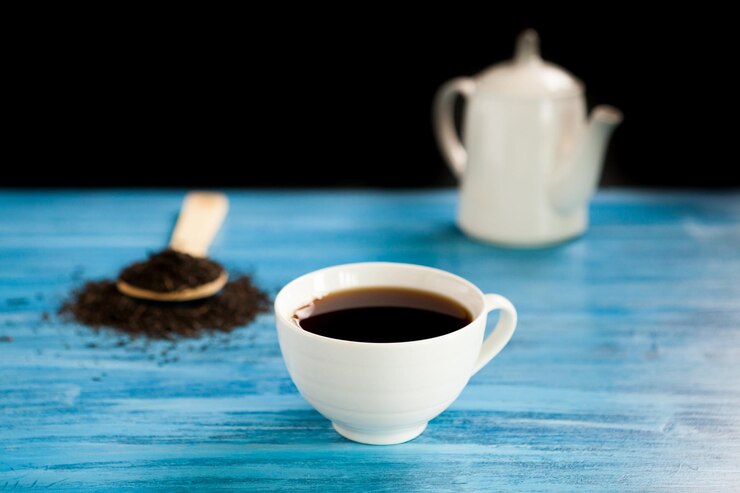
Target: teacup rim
{"type": "Point", "coordinates": [289, 322]}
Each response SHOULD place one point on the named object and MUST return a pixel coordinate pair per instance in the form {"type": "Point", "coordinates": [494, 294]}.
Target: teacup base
{"type": "Point", "coordinates": [380, 438]}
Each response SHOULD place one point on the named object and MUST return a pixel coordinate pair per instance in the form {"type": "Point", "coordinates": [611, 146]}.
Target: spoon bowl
{"type": "Point", "coordinates": [188, 294]}
{"type": "Point", "coordinates": [201, 216]}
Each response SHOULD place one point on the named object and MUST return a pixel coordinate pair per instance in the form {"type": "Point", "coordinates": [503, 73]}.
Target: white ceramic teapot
{"type": "Point", "coordinates": [531, 158]}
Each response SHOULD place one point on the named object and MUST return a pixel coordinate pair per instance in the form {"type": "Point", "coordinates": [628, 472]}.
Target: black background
{"type": "Point", "coordinates": [335, 98]}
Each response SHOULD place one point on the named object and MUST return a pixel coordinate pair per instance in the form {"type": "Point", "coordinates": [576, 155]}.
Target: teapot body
{"type": "Point", "coordinates": [514, 147]}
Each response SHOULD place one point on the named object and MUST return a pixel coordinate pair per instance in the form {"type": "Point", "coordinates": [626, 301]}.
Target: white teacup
{"type": "Point", "coordinates": [386, 393]}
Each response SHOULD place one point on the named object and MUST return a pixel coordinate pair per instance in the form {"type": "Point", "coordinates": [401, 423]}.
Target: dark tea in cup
{"type": "Point", "coordinates": [382, 314]}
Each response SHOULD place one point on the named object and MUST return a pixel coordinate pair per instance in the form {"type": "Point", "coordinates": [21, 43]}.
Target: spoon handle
{"type": "Point", "coordinates": [201, 216]}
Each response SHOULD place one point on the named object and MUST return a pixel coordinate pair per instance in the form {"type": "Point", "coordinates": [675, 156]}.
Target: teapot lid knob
{"type": "Point", "coordinates": [527, 46]}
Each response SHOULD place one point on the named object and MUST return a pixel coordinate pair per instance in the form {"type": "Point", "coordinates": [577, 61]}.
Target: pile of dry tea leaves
{"type": "Point", "coordinates": [170, 270]}
{"type": "Point", "coordinates": [100, 304]}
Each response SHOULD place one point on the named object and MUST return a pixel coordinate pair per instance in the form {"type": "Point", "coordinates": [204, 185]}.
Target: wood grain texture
{"type": "Point", "coordinates": [624, 374]}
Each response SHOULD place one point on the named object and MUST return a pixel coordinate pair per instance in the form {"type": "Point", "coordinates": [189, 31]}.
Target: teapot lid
{"type": "Point", "coordinates": [527, 75]}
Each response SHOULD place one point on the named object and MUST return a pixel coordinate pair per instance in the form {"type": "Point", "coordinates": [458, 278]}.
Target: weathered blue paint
{"type": "Point", "coordinates": [624, 374]}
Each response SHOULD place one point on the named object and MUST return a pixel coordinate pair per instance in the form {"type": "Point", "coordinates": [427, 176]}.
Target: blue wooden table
{"type": "Point", "coordinates": [624, 374]}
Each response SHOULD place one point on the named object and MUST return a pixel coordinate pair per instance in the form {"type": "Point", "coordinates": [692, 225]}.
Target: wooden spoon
{"type": "Point", "coordinates": [201, 216]}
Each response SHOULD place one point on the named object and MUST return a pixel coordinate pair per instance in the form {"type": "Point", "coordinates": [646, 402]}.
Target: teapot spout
{"type": "Point", "coordinates": [575, 181]}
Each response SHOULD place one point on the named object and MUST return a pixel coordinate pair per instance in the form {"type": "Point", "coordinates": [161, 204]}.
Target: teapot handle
{"type": "Point", "coordinates": [444, 122]}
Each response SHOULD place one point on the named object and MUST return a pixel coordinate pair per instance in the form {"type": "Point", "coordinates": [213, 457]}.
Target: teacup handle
{"type": "Point", "coordinates": [501, 334]}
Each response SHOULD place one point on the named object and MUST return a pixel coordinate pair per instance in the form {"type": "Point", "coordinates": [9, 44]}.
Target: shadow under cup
{"type": "Point", "coordinates": [386, 393]}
